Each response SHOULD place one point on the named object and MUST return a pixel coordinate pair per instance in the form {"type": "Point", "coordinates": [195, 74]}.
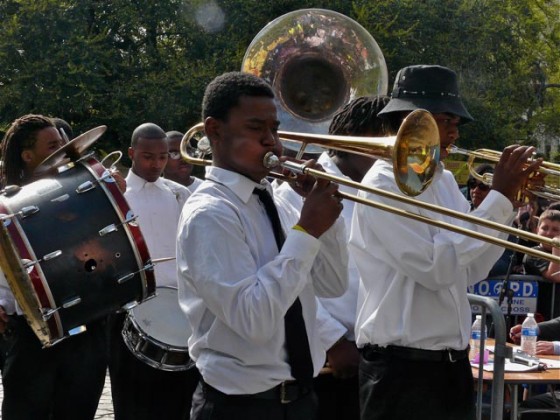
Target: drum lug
{"type": "Point", "coordinates": [52, 255]}
{"type": "Point", "coordinates": [113, 227]}
{"type": "Point", "coordinates": [47, 257]}
{"type": "Point", "coordinates": [125, 278]}
{"type": "Point", "coordinates": [85, 187]}
{"type": "Point", "coordinates": [148, 266]}
{"type": "Point", "coordinates": [48, 313]}
{"type": "Point", "coordinates": [10, 190]}
{"type": "Point", "coordinates": [77, 330]}
{"type": "Point", "coordinates": [108, 229]}
{"type": "Point", "coordinates": [128, 306]}
{"type": "Point", "coordinates": [28, 211]}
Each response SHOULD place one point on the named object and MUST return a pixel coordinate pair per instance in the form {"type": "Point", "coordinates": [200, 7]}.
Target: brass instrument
{"type": "Point", "coordinates": [414, 150]}
{"type": "Point", "coordinates": [316, 61]}
{"type": "Point", "coordinates": [353, 145]}
{"type": "Point", "coordinates": [546, 168]}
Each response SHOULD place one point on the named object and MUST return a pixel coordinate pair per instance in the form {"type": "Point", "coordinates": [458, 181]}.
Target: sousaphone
{"type": "Point", "coordinates": [317, 61]}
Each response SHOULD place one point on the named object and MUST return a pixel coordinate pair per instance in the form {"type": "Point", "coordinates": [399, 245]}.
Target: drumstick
{"type": "Point", "coordinates": [164, 259]}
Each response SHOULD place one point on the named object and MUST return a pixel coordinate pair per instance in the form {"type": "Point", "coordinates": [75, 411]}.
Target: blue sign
{"type": "Point", "coordinates": [524, 298]}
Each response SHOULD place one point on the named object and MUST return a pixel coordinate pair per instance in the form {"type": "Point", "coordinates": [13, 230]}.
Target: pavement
{"type": "Point", "coordinates": [105, 408]}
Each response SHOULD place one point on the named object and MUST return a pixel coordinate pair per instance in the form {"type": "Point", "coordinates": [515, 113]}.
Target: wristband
{"type": "Point", "coordinates": [298, 227]}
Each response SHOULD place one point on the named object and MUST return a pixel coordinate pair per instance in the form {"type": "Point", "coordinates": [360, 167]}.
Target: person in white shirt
{"type": "Point", "coordinates": [414, 317]}
{"type": "Point", "coordinates": [249, 281]}
{"type": "Point", "coordinates": [177, 169]}
{"type": "Point", "coordinates": [338, 392]}
{"type": "Point", "coordinates": [141, 391]}
{"type": "Point", "coordinates": [64, 381]}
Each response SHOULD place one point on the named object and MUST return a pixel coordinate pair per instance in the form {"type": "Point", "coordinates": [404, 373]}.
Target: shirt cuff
{"type": "Point", "coordinates": [556, 347]}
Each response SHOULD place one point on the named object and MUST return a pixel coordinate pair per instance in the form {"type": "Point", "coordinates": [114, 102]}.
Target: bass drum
{"type": "Point", "coordinates": [157, 332]}
{"type": "Point", "coordinates": [71, 250]}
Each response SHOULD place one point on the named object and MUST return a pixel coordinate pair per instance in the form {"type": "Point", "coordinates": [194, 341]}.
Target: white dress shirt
{"type": "Point", "coordinates": [194, 185]}
{"type": "Point", "coordinates": [158, 206]}
{"type": "Point", "coordinates": [235, 287]}
{"type": "Point", "coordinates": [7, 298]}
{"type": "Point", "coordinates": [342, 309]}
{"type": "Point", "coordinates": [415, 276]}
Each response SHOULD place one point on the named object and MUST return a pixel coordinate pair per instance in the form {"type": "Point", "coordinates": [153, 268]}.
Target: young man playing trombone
{"type": "Point", "coordinates": [255, 268]}
{"type": "Point", "coordinates": [413, 325]}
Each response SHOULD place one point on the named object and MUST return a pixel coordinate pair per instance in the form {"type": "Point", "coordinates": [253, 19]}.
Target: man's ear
{"type": "Point", "coordinates": [213, 129]}
{"type": "Point", "coordinates": [131, 153]}
{"type": "Point", "coordinates": [27, 156]}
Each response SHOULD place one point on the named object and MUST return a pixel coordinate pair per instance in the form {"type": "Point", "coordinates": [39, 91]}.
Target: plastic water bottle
{"type": "Point", "coordinates": [529, 332]}
{"type": "Point", "coordinates": [476, 333]}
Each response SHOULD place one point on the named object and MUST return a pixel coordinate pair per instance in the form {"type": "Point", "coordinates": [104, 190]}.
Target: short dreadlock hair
{"type": "Point", "coordinates": [21, 135]}
{"type": "Point", "coordinates": [359, 118]}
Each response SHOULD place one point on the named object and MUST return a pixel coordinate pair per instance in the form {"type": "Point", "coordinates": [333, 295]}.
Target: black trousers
{"type": "Point", "coordinates": [141, 392]}
{"type": "Point", "coordinates": [541, 401]}
{"type": "Point", "coordinates": [63, 382]}
{"type": "Point", "coordinates": [214, 405]}
{"type": "Point", "coordinates": [338, 398]}
{"type": "Point", "coordinates": [394, 388]}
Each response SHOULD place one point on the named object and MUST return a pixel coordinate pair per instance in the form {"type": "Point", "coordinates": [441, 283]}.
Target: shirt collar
{"type": "Point", "coordinates": [240, 185]}
{"type": "Point", "coordinates": [136, 183]}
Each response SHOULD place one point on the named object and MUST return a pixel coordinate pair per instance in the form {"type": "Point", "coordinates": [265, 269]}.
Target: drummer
{"type": "Point", "coordinates": [66, 380]}
{"type": "Point", "coordinates": [142, 392]}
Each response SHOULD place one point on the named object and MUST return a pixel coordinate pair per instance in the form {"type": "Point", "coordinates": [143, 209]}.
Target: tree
{"type": "Point", "coordinates": [124, 62]}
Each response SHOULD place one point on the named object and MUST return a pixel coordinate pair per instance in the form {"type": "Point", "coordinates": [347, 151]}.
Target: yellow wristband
{"type": "Point", "coordinates": [298, 227]}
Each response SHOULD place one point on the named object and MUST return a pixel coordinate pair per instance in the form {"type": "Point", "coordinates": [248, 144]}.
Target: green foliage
{"type": "Point", "coordinates": [124, 62]}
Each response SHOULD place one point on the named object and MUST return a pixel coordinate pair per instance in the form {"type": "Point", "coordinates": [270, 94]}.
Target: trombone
{"type": "Point", "coordinates": [394, 149]}
{"type": "Point", "coordinates": [546, 168]}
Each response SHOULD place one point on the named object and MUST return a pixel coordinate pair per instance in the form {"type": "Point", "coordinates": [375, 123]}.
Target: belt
{"type": "Point", "coordinates": [286, 392]}
{"type": "Point", "coordinates": [409, 353]}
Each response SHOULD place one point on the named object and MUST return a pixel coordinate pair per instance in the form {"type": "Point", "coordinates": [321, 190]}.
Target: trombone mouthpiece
{"type": "Point", "coordinates": [270, 160]}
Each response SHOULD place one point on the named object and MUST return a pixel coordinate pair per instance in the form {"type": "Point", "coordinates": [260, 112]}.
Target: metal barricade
{"type": "Point", "coordinates": [501, 353]}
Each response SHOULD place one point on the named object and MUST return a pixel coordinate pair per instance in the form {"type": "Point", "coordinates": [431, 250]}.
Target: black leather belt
{"type": "Point", "coordinates": [286, 392]}
{"type": "Point", "coordinates": [409, 353]}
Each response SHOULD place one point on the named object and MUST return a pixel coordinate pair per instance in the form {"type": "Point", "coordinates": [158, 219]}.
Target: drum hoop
{"type": "Point", "coordinates": [121, 207]}
{"type": "Point", "coordinates": [144, 340]}
{"type": "Point", "coordinates": [43, 294]}
{"type": "Point", "coordinates": [158, 343]}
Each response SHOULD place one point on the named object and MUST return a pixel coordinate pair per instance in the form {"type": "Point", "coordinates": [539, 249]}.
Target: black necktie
{"type": "Point", "coordinates": [297, 344]}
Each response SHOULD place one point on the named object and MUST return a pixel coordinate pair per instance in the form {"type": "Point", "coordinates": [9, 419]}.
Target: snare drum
{"type": "Point", "coordinates": [157, 332]}
{"type": "Point", "coordinates": [71, 250]}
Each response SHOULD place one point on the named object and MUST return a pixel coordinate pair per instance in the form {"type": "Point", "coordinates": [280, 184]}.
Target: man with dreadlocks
{"type": "Point", "coordinates": [338, 392]}
{"type": "Point", "coordinates": [64, 381]}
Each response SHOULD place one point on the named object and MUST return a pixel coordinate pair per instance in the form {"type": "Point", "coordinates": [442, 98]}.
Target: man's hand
{"type": "Point", "coordinates": [545, 347]}
{"type": "Point", "coordinates": [344, 359]}
{"type": "Point", "coordinates": [515, 334]}
{"type": "Point", "coordinates": [119, 179]}
{"type": "Point", "coordinates": [513, 171]}
{"type": "Point", "coordinates": [321, 208]}
{"type": "Point", "coordinates": [301, 183]}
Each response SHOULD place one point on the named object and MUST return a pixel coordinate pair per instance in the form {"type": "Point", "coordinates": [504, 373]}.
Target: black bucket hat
{"type": "Point", "coordinates": [433, 88]}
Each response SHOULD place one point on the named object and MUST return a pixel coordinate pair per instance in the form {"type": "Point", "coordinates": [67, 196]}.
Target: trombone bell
{"type": "Point", "coordinates": [414, 151]}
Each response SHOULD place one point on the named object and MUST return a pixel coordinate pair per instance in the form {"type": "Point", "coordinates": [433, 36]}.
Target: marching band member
{"type": "Point", "coordinates": [64, 381]}
{"type": "Point", "coordinates": [414, 317]}
{"type": "Point", "coordinates": [249, 285]}
{"type": "Point", "coordinates": [338, 392]}
{"type": "Point", "coordinates": [177, 169]}
{"type": "Point", "coordinates": [140, 391]}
